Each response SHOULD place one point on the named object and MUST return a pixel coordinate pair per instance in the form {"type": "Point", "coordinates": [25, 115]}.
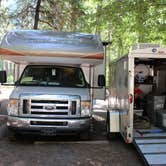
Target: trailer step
{"type": "Point", "coordinates": [156, 159]}
{"type": "Point", "coordinates": [150, 141]}
{"type": "Point", "coordinates": [151, 144]}
{"type": "Point", "coordinates": [153, 148]}
{"type": "Point", "coordinates": [157, 133]}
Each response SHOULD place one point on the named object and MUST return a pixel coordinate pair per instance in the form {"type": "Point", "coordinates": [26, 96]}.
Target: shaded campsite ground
{"type": "Point", "coordinates": [68, 151]}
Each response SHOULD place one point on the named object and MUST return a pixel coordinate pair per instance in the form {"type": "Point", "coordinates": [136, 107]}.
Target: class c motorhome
{"type": "Point", "coordinates": [57, 75]}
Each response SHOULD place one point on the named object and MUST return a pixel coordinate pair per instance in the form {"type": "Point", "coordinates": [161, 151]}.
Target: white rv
{"type": "Point", "coordinates": [137, 101]}
{"type": "Point", "coordinates": [57, 76]}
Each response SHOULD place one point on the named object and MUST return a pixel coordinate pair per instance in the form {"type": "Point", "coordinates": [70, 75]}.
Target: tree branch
{"type": "Point", "coordinates": [48, 23]}
{"type": "Point", "coordinates": [37, 15]}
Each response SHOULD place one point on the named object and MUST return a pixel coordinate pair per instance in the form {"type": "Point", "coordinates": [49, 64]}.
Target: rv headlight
{"type": "Point", "coordinates": [13, 107]}
{"type": "Point", "coordinates": [85, 108]}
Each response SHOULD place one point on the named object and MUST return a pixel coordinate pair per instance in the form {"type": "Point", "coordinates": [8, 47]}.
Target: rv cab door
{"type": "Point", "coordinates": [99, 92]}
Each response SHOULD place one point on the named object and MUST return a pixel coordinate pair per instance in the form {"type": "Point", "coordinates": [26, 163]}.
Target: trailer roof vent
{"type": "Point", "coordinates": [145, 45]}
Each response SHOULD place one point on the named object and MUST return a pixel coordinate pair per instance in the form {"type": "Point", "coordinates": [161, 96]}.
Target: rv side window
{"type": "Point", "coordinates": [9, 68]}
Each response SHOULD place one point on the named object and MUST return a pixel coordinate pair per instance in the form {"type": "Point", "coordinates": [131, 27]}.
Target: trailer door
{"type": "Point", "coordinates": [125, 83]}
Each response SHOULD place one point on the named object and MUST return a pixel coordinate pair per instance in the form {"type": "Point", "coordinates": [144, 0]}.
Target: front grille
{"type": "Point", "coordinates": [50, 113]}
{"type": "Point", "coordinates": [25, 106]}
{"type": "Point", "coordinates": [51, 107]}
{"type": "Point", "coordinates": [50, 101]}
{"type": "Point", "coordinates": [73, 107]}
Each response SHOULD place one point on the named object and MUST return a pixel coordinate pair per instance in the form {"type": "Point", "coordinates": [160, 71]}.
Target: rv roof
{"type": "Point", "coordinates": [51, 46]}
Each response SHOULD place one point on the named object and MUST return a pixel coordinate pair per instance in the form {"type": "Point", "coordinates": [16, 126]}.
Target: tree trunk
{"type": "Point", "coordinates": [37, 14]}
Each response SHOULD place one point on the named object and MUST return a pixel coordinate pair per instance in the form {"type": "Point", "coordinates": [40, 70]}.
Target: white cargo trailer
{"type": "Point", "coordinates": [57, 77]}
{"type": "Point", "coordinates": [137, 96]}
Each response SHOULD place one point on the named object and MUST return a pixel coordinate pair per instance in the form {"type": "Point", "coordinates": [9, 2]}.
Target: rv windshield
{"type": "Point", "coordinates": [53, 76]}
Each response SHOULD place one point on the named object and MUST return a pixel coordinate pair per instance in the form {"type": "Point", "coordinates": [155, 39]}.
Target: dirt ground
{"type": "Point", "coordinates": [69, 151]}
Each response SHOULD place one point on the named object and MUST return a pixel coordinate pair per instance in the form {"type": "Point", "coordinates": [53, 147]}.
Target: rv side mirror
{"type": "Point", "coordinates": [101, 80]}
{"type": "Point", "coordinates": [3, 77]}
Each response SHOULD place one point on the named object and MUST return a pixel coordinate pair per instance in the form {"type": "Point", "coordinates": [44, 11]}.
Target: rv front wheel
{"type": "Point", "coordinates": [86, 135]}
{"type": "Point", "coordinates": [11, 135]}
{"type": "Point", "coordinates": [108, 126]}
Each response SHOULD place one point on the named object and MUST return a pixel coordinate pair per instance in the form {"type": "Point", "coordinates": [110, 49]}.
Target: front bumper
{"type": "Point", "coordinates": [42, 126]}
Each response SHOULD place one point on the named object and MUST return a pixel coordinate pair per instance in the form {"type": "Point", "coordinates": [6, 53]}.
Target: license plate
{"type": "Point", "coordinates": [48, 131]}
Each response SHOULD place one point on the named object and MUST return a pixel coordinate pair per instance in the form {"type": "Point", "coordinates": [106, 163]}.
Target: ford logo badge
{"type": "Point", "coordinates": [49, 107]}
{"type": "Point", "coordinates": [154, 50]}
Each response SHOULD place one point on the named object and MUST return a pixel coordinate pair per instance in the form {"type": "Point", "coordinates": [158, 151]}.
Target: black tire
{"type": "Point", "coordinates": [108, 126]}
{"type": "Point", "coordinates": [86, 135]}
{"type": "Point", "coordinates": [11, 135]}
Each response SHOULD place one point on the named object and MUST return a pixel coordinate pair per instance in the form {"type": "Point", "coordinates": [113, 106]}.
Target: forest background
{"type": "Point", "coordinates": [122, 22]}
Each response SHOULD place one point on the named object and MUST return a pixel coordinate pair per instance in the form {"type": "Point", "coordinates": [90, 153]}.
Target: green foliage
{"type": "Point", "coordinates": [124, 22]}
{"type": "Point", "coordinates": [5, 21]}
{"type": "Point", "coordinates": [10, 79]}
{"type": "Point", "coordinates": [54, 14]}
